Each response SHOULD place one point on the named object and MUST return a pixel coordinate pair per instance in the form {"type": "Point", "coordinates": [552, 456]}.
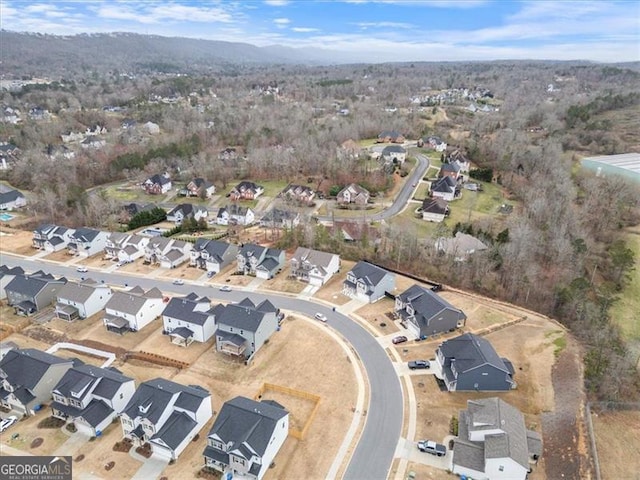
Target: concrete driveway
{"type": "Point", "coordinates": [151, 468]}
{"type": "Point", "coordinates": [408, 450]}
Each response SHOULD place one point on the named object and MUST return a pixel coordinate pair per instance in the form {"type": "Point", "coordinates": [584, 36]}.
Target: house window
{"type": "Point", "coordinates": [501, 468]}
{"type": "Point", "coordinates": [241, 332]}
{"type": "Point", "coordinates": [121, 396]}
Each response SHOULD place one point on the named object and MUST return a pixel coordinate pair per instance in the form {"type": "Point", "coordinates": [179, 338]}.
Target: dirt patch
{"type": "Point", "coordinates": [617, 439]}
{"type": "Point", "coordinates": [332, 290]}
{"type": "Point", "coordinates": [227, 277]}
{"type": "Point", "coordinates": [160, 344]}
{"type": "Point", "coordinates": [36, 442]}
{"type": "Point", "coordinates": [283, 283]}
{"type": "Point", "coordinates": [60, 256]}
{"type": "Point", "coordinates": [138, 267]}
{"type": "Point", "coordinates": [377, 316]}
{"type": "Point", "coordinates": [17, 241]}
{"type": "Point", "coordinates": [566, 450]}
{"type": "Point", "coordinates": [184, 271]}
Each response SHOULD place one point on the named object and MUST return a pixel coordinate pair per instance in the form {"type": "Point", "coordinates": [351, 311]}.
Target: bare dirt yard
{"type": "Point", "coordinates": [16, 241]}
{"type": "Point", "coordinates": [617, 436]}
{"type": "Point", "coordinates": [283, 283]}
{"type": "Point", "coordinates": [184, 271]}
{"type": "Point", "coordinates": [375, 314]}
{"type": "Point", "coordinates": [61, 256]}
{"type": "Point", "coordinates": [227, 277]}
{"type": "Point", "coordinates": [332, 291]}
{"type": "Point", "coordinates": [138, 267]}
{"type": "Point", "coordinates": [27, 431]}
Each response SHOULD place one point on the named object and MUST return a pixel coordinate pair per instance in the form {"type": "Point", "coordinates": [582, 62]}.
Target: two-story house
{"type": "Point", "coordinates": [81, 300]}
{"type": "Point", "coordinates": [212, 255]}
{"type": "Point", "coordinates": [86, 242]}
{"type": "Point", "coordinates": [368, 283]}
{"type": "Point", "coordinates": [27, 377]}
{"type": "Point", "coordinates": [444, 188]}
{"type": "Point", "coordinates": [279, 218]}
{"type": "Point", "coordinates": [235, 214]}
{"type": "Point", "coordinates": [298, 194]}
{"type": "Point", "coordinates": [132, 310]}
{"type": "Point", "coordinates": [242, 328]}
{"type": "Point", "coordinates": [470, 363]}
{"type": "Point", "coordinates": [157, 184]}
{"type": "Point", "coordinates": [461, 246]}
{"type": "Point", "coordinates": [10, 198]}
{"type": "Point", "coordinates": [450, 170]}
{"type": "Point", "coordinates": [390, 136]}
{"type": "Point", "coordinates": [246, 191]}
{"type": "Point", "coordinates": [425, 313]}
{"type": "Point", "coordinates": [188, 319]}
{"type": "Point", "coordinates": [314, 266]}
{"type": "Point", "coordinates": [353, 193]}
{"type": "Point", "coordinates": [458, 157]}
{"type": "Point", "coordinates": [199, 187]}
{"type": "Point", "coordinates": [6, 275]}
{"type": "Point", "coordinates": [52, 238]}
{"type": "Point", "coordinates": [167, 415]}
{"type": "Point", "coordinates": [435, 209]}
{"type": "Point", "coordinates": [167, 252]}
{"type": "Point", "coordinates": [246, 437]}
{"type": "Point", "coordinates": [493, 442]}
{"type": "Point", "coordinates": [433, 142]}
{"type": "Point", "coordinates": [260, 261]}
{"type": "Point", "coordinates": [28, 294]}
{"type": "Point", "coordinates": [394, 154]}
{"type": "Point", "coordinates": [125, 247]}
{"type": "Point", "coordinates": [91, 397]}
{"type": "Point", "coordinates": [186, 210]}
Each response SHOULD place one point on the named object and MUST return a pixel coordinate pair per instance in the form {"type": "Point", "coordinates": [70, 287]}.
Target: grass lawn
{"type": "Point", "coordinates": [126, 192]}
{"type": "Point", "coordinates": [625, 311]}
{"type": "Point", "coordinates": [368, 142]}
{"type": "Point", "coordinates": [273, 187]}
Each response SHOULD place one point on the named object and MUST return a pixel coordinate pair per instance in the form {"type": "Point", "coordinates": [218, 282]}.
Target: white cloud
{"type": "Point", "coordinates": [276, 3]}
{"type": "Point", "coordinates": [305, 29]}
{"type": "Point", "coordinates": [365, 25]}
{"type": "Point", "coordinates": [427, 3]}
{"type": "Point", "coordinates": [172, 12]}
{"type": "Point", "coordinates": [281, 21]}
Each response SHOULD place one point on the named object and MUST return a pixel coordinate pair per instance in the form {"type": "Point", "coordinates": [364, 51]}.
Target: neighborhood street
{"type": "Point", "coordinates": [375, 450]}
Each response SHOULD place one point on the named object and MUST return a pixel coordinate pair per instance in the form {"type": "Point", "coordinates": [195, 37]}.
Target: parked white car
{"type": "Point", "coordinates": [7, 422]}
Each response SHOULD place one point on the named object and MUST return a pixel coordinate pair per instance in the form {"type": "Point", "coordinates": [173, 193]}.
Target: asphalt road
{"type": "Point", "coordinates": [401, 198]}
{"type": "Point", "coordinates": [374, 453]}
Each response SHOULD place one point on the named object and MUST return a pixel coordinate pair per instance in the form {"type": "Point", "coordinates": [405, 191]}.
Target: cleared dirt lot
{"type": "Point", "coordinates": [375, 314]}
{"type": "Point", "coordinates": [16, 241]}
{"type": "Point", "coordinates": [617, 438]}
{"type": "Point", "coordinates": [184, 271]}
{"type": "Point", "coordinates": [27, 430]}
{"type": "Point", "coordinates": [332, 290]}
{"type": "Point", "coordinates": [282, 283]}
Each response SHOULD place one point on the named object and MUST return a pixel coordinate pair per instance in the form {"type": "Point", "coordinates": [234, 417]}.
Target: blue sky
{"type": "Point", "coordinates": [364, 30]}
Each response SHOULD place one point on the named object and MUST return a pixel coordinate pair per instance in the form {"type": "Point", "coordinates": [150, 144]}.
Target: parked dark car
{"type": "Point", "coordinates": [418, 364]}
{"type": "Point", "coordinates": [399, 339]}
{"type": "Point", "coordinates": [432, 447]}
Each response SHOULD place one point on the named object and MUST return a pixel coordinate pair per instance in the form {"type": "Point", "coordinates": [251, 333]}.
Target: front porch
{"type": "Point", "coordinates": [25, 308]}
{"type": "Point", "coordinates": [181, 336]}
{"type": "Point", "coordinates": [231, 343]}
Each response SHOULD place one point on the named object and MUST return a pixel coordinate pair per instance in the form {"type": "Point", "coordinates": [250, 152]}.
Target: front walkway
{"type": "Point", "coordinates": [71, 445]}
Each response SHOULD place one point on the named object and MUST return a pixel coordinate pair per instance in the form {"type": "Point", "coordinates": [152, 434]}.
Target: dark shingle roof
{"type": "Point", "coordinates": [471, 351]}
{"type": "Point", "coordinates": [369, 273]}
{"type": "Point", "coordinates": [185, 309]}
{"type": "Point", "coordinates": [426, 304]}
{"type": "Point", "coordinates": [444, 184]}
{"type": "Point", "coordinates": [393, 149]}
{"type": "Point", "coordinates": [85, 234]}
{"type": "Point", "coordinates": [435, 205]}
{"type": "Point", "coordinates": [241, 317]}
{"type": "Point", "coordinates": [175, 429]}
{"type": "Point", "coordinates": [25, 368]}
{"type": "Point", "coordinates": [28, 285]}
{"type": "Point", "coordinates": [10, 196]}
{"type": "Point", "coordinates": [214, 248]}
{"type": "Point", "coordinates": [242, 420]}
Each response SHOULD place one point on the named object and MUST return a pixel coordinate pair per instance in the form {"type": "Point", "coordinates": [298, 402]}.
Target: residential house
{"type": "Point", "coordinates": [260, 261]}
{"type": "Point", "coordinates": [125, 247]}
{"type": "Point", "coordinates": [246, 437]}
{"type": "Point", "coordinates": [461, 246]}
{"type": "Point", "coordinates": [349, 150]}
{"type": "Point", "coordinates": [199, 187]}
{"type": "Point", "coordinates": [229, 153]}
{"type": "Point", "coordinates": [27, 377]}
{"type": "Point", "coordinates": [6, 275]}
{"type": "Point", "coordinates": [157, 184]}
{"type": "Point", "coordinates": [186, 210]}
{"type": "Point", "coordinates": [132, 310]}
{"type": "Point", "coordinates": [132, 209]}
{"type": "Point", "coordinates": [28, 294]}
{"type": "Point", "coordinates": [394, 154]}
{"type": "Point", "coordinates": [38, 113]}
{"type": "Point", "coordinates": [470, 363]}
{"type": "Point", "coordinates": [91, 397]}
{"type": "Point", "coordinates": [460, 159]}
{"type": "Point", "coordinates": [189, 319]}
{"type": "Point", "coordinates": [313, 266]}
{"type": "Point", "coordinates": [81, 300]}
{"type": "Point", "coordinates": [390, 136]}
{"type": "Point", "coordinates": [368, 283]}
{"type": "Point", "coordinates": [353, 193]}
{"type": "Point", "coordinates": [166, 415]}
{"type": "Point", "coordinates": [242, 328]}
{"type": "Point", "coordinates": [10, 115]}
{"type": "Point", "coordinates": [10, 198]}
{"type": "Point", "coordinates": [8, 155]}
{"type": "Point", "coordinates": [493, 442]}
{"type": "Point", "coordinates": [425, 313]}
{"type": "Point", "coordinates": [299, 194]}
{"type": "Point", "coordinates": [355, 232]}
{"type": "Point", "coordinates": [450, 170]}
{"type": "Point", "coordinates": [93, 142]}
{"type": "Point", "coordinates": [445, 188]}
{"type": "Point", "coordinates": [128, 124]}
{"type": "Point", "coordinates": [212, 255]}
{"type": "Point", "coordinates": [6, 347]}
{"type": "Point", "coordinates": [235, 214]}
{"type": "Point", "coordinates": [434, 209]}
{"type": "Point", "coordinates": [87, 242]}
{"type": "Point", "coordinates": [279, 218]}
{"type": "Point", "coordinates": [246, 191]}
{"type": "Point", "coordinates": [433, 142]}
{"type": "Point", "coordinates": [56, 240]}
{"type": "Point", "coordinates": [169, 253]}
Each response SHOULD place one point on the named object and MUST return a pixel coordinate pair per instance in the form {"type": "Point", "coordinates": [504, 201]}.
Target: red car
{"type": "Point", "coordinates": [399, 339]}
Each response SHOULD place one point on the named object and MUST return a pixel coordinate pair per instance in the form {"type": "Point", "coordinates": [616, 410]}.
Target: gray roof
{"type": "Point", "coordinates": [94, 413]}
{"type": "Point", "coordinates": [10, 196]}
{"type": "Point", "coordinates": [277, 215]}
{"type": "Point", "coordinates": [76, 379]}
{"type": "Point", "coordinates": [158, 395]}
{"type": "Point", "coordinates": [79, 292]}
{"type": "Point", "coordinates": [30, 285]}
{"type": "Point", "coordinates": [159, 179]}
{"type": "Point", "coordinates": [185, 309]}
{"type": "Point", "coordinates": [44, 228]}
{"type": "Point", "coordinates": [243, 421]}
{"type": "Point", "coordinates": [369, 273]}
{"type": "Point", "coordinates": [182, 332]}
{"type": "Point", "coordinates": [187, 209]}
{"type": "Point", "coordinates": [460, 244]}
{"type": "Point", "coordinates": [175, 429]}
{"type": "Point", "coordinates": [444, 184]}
{"type": "Point", "coordinates": [427, 305]}
{"type": "Point", "coordinates": [252, 250]}
{"type": "Point", "coordinates": [84, 234]}
{"type": "Point", "coordinates": [435, 205]}
{"type": "Point", "coordinates": [450, 167]}
{"type": "Point", "coordinates": [393, 149]}
{"type": "Point", "coordinates": [242, 317]}
{"type": "Point", "coordinates": [26, 367]}
{"type": "Point", "coordinates": [471, 351]}
{"type": "Point", "coordinates": [233, 209]}
{"type": "Point", "coordinates": [314, 257]}
{"type": "Point", "coordinates": [491, 414]}
{"type": "Point", "coordinates": [214, 248]}
{"type": "Point", "coordinates": [4, 270]}
{"type": "Point", "coordinates": [242, 186]}
{"type": "Point", "coordinates": [132, 301]}
{"type": "Point", "coordinates": [269, 264]}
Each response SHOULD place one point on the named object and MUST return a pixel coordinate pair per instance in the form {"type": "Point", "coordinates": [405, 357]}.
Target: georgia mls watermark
{"type": "Point", "coordinates": [35, 468]}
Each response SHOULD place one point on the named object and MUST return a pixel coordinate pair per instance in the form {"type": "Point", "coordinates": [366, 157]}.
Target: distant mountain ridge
{"type": "Point", "coordinates": [42, 54]}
